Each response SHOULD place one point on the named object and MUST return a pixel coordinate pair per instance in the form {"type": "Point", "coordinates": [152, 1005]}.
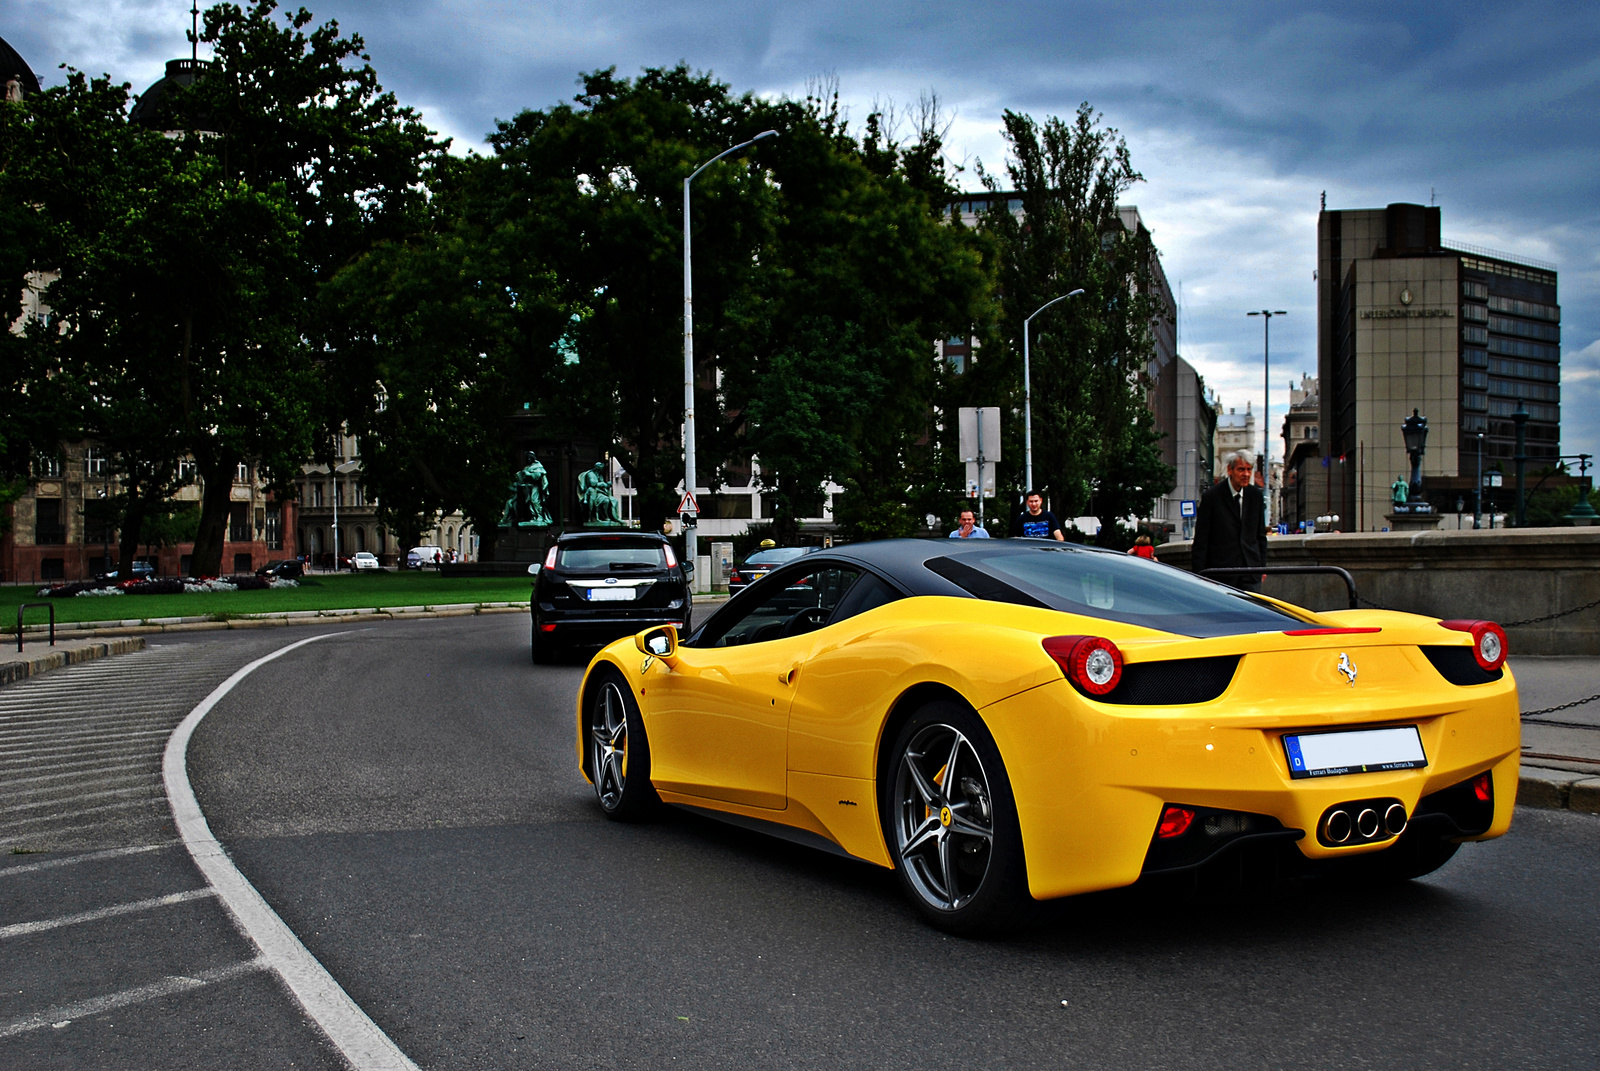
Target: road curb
{"type": "Point", "coordinates": [208, 622]}
{"type": "Point", "coordinates": [31, 667]}
{"type": "Point", "coordinates": [1561, 790]}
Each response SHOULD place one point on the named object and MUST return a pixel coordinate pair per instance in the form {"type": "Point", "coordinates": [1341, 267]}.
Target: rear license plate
{"type": "Point", "coordinates": [1359, 751]}
{"type": "Point", "coordinates": [613, 594]}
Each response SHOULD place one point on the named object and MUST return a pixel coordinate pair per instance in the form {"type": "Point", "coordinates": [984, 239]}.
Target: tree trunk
{"type": "Point", "coordinates": [132, 524]}
{"type": "Point", "coordinates": [215, 498]}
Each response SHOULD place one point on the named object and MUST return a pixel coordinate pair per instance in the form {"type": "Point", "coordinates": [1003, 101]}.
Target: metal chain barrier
{"type": "Point", "coordinates": [1551, 617]}
{"type": "Point", "coordinates": [1563, 706]}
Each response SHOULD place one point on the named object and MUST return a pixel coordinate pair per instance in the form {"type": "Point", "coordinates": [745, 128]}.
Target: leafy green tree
{"type": "Point", "coordinates": [295, 119]}
{"type": "Point", "coordinates": [1095, 445]}
{"type": "Point", "coordinates": [439, 335]}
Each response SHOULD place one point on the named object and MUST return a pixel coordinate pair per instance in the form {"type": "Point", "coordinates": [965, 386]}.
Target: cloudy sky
{"type": "Point", "coordinates": [1240, 115]}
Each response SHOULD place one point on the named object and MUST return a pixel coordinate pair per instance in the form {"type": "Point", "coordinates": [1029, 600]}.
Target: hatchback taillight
{"type": "Point", "coordinates": [550, 558]}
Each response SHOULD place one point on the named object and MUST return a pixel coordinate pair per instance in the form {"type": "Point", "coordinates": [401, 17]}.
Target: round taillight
{"type": "Point", "coordinates": [1092, 663]}
{"type": "Point", "coordinates": [1488, 641]}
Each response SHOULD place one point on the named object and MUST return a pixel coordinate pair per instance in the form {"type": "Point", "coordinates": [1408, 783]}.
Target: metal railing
{"type": "Point", "coordinates": [36, 605]}
{"type": "Point", "coordinates": [1280, 570]}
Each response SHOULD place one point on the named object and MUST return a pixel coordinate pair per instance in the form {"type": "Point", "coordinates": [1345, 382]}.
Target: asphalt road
{"type": "Point", "coordinates": [407, 798]}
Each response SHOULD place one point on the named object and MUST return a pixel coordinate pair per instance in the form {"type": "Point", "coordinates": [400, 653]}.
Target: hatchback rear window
{"type": "Point", "coordinates": [606, 555]}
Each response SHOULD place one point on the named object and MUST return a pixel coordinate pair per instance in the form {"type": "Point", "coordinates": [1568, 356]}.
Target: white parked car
{"type": "Point", "coordinates": [364, 560]}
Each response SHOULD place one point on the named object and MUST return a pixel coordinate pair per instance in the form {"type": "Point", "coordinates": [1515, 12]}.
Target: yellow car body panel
{"type": "Point", "coordinates": [793, 731]}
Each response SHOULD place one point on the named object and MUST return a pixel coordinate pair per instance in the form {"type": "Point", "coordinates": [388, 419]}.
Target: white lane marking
{"type": "Point", "coordinates": [358, 1038]}
{"type": "Point", "coordinates": [73, 795]}
{"type": "Point", "coordinates": [86, 857]}
{"type": "Point", "coordinates": [23, 929]}
{"type": "Point", "coordinates": [11, 825]}
{"type": "Point", "coordinates": [63, 1014]}
{"type": "Point", "coordinates": [89, 774]}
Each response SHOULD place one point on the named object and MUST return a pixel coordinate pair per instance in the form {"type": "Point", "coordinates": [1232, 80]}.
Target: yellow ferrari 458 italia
{"type": "Point", "coordinates": [1007, 721]}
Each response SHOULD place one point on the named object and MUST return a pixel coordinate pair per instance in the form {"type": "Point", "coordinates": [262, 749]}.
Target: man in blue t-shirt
{"type": "Point", "coordinates": [1036, 522]}
{"type": "Point", "coordinates": [968, 522]}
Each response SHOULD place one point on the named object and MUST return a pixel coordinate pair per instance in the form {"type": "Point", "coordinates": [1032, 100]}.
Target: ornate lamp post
{"type": "Point", "coordinates": [1415, 431]}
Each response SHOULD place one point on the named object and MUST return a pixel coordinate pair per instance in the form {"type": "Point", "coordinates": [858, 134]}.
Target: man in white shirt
{"type": "Point", "coordinates": [968, 529]}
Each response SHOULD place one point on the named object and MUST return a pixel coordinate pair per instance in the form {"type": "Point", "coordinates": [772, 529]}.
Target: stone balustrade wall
{"type": "Point", "coordinates": [1502, 575]}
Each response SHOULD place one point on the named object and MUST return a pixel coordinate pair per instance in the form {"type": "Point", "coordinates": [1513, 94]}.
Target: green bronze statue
{"type": "Point", "coordinates": [595, 503]}
{"type": "Point", "coordinates": [1399, 491]}
{"type": "Point", "coordinates": [525, 506]}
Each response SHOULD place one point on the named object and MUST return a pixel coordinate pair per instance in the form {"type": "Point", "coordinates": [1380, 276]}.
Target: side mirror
{"type": "Point", "coordinates": [688, 567]}
{"type": "Point", "coordinates": [661, 641]}
{"type": "Point", "coordinates": [533, 570]}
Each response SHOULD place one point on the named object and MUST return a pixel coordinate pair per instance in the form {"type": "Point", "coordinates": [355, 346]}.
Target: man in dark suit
{"type": "Point", "coordinates": [1230, 528]}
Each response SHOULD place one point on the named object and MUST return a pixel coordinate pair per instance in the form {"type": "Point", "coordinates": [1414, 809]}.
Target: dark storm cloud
{"type": "Point", "coordinates": [1240, 114]}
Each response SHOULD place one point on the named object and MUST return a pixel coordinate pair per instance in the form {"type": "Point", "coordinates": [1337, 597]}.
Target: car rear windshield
{"type": "Point", "coordinates": [775, 556]}
{"type": "Point", "coordinates": [608, 554]}
{"type": "Point", "coordinates": [1115, 587]}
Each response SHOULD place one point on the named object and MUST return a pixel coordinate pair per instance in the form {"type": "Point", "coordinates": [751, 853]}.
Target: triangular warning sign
{"type": "Point", "coordinates": [688, 504]}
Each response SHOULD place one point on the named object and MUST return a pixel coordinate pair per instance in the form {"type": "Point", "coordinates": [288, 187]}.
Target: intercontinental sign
{"type": "Point", "coordinates": [1407, 314]}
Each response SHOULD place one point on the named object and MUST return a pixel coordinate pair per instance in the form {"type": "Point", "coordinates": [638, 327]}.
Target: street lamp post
{"type": "Point", "coordinates": [1266, 405]}
{"type": "Point", "coordinates": [1477, 497]}
{"type": "Point", "coordinates": [1027, 391]}
{"type": "Point", "coordinates": [690, 535]}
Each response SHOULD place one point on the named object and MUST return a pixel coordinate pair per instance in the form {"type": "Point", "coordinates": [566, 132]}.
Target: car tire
{"type": "Point", "coordinates": [618, 750]}
{"type": "Point", "coordinates": [959, 856]}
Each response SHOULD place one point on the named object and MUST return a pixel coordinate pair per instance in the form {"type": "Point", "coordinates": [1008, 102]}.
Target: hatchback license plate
{"type": "Point", "coordinates": [612, 594]}
{"type": "Point", "coordinates": [1358, 751]}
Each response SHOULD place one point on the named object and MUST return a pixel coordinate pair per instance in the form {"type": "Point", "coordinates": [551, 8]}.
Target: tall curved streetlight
{"type": "Point", "coordinates": [1027, 391]}
{"type": "Point", "coordinates": [1266, 407]}
{"type": "Point", "coordinates": [690, 530]}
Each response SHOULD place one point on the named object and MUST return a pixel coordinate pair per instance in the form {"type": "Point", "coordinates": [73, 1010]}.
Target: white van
{"type": "Point", "coordinates": [420, 557]}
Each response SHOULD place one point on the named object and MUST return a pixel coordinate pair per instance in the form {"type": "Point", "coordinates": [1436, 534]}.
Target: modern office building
{"type": "Point", "coordinates": [1406, 321]}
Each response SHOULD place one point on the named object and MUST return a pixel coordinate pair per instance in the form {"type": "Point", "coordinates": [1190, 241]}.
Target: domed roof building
{"type": "Point", "coordinates": [16, 76]}
{"type": "Point", "coordinates": [181, 74]}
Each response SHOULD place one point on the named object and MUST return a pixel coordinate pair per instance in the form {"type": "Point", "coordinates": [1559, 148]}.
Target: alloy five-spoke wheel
{"type": "Point", "coordinates": [619, 755]}
{"type": "Point", "coordinates": [952, 825]}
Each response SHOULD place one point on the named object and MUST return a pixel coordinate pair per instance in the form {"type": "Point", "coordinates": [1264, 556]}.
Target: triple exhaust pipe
{"type": "Point", "coordinates": [1362, 822]}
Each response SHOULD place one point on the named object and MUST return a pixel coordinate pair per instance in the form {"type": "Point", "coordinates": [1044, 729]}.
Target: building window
{"type": "Point", "coordinates": [1472, 288]}
{"type": "Point", "coordinates": [1548, 332]}
{"type": "Point", "coordinates": [1517, 307]}
{"type": "Point", "coordinates": [1474, 423]}
{"type": "Point", "coordinates": [316, 493]}
{"type": "Point", "coordinates": [1475, 357]}
{"type": "Point", "coordinates": [186, 469]}
{"type": "Point", "coordinates": [1479, 335]}
{"type": "Point", "coordinates": [273, 527]}
{"type": "Point", "coordinates": [47, 466]}
{"type": "Point", "coordinates": [1512, 347]}
{"type": "Point", "coordinates": [1475, 313]}
{"type": "Point", "coordinates": [1526, 369]}
{"type": "Point", "coordinates": [48, 529]}
{"type": "Point", "coordinates": [241, 473]}
{"type": "Point", "coordinates": [338, 493]}
{"type": "Point", "coordinates": [358, 495]}
{"type": "Point", "coordinates": [1473, 378]}
{"type": "Point", "coordinates": [1510, 388]}
{"type": "Point", "coordinates": [1550, 414]}
{"type": "Point", "coordinates": [94, 462]}
{"type": "Point", "coordinates": [1476, 402]}
{"type": "Point", "coordinates": [239, 522]}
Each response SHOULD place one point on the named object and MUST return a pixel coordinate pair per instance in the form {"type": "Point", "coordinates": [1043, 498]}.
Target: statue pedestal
{"type": "Point", "coordinates": [1406, 519]}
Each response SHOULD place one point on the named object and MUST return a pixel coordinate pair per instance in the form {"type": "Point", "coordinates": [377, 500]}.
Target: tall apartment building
{"type": "Point", "coordinates": [1461, 334]}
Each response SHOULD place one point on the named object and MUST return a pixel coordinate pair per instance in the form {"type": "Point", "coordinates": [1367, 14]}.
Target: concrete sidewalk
{"type": "Point", "coordinates": [39, 657]}
{"type": "Point", "coordinates": [1560, 749]}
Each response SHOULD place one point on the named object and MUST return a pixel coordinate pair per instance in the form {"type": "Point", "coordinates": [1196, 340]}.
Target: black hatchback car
{"type": "Point", "coordinates": [594, 587]}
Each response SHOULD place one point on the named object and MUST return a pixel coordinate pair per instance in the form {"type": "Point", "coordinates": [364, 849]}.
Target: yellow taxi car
{"type": "Point", "coordinates": [1018, 720]}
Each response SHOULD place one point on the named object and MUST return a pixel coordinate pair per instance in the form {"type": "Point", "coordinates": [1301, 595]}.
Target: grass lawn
{"type": "Point", "coordinates": [316, 592]}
